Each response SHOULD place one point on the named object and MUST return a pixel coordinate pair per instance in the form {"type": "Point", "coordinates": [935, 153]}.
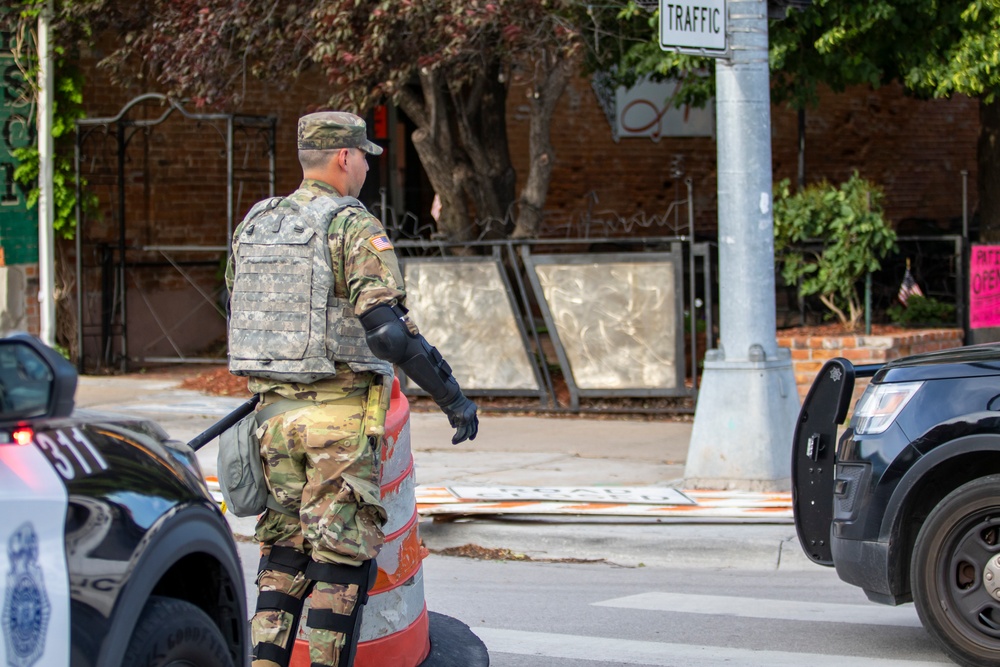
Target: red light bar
{"type": "Point", "coordinates": [23, 435]}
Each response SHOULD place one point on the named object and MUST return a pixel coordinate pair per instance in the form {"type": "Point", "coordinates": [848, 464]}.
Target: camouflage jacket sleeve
{"type": "Point", "coordinates": [371, 270]}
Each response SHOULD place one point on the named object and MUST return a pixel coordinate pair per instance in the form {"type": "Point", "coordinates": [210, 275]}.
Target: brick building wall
{"type": "Point", "coordinates": [175, 177]}
{"type": "Point", "coordinates": [809, 353]}
{"type": "Point", "coordinates": [916, 149]}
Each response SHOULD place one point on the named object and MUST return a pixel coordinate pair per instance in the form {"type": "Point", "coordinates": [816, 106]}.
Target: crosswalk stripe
{"type": "Point", "coordinates": [785, 610]}
{"type": "Point", "coordinates": [632, 652]}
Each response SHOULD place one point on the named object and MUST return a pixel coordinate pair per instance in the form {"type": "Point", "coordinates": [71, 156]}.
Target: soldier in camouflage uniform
{"type": "Point", "coordinates": [327, 393]}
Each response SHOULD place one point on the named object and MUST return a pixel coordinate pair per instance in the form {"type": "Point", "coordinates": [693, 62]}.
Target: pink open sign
{"type": "Point", "coordinates": [984, 287]}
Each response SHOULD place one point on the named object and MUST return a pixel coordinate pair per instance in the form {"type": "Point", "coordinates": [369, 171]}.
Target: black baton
{"type": "Point", "coordinates": [218, 427]}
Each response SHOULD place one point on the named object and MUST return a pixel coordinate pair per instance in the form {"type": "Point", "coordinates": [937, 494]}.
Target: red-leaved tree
{"type": "Point", "coordinates": [447, 64]}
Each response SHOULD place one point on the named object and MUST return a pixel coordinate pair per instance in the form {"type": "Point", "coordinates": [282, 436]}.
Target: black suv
{"type": "Point", "coordinates": [905, 503]}
{"type": "Point", "coordinates": [112, 550]}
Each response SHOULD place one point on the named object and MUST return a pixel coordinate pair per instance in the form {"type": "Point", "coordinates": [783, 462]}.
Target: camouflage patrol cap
{"type": "Point", "coordinates": [327, 130]}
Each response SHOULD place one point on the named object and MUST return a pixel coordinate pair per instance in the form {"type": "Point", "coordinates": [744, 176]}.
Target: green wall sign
{"type": "Point", "coordinates": [18, 224]}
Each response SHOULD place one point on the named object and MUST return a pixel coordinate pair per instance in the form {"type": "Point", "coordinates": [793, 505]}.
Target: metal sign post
{"type": "Point", "coordinates": [747, 403]}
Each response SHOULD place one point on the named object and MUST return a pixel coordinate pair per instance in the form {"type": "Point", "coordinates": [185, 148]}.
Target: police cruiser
{"type": "Point", "coordinates": [905, 501]}
{"type": "Point", "coordinates": [112, 550]}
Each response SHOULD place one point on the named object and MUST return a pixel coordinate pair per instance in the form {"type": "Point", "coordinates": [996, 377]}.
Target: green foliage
{"type": "Point", "coordinates": [922, 311]}
{"type": "Point", "coordinates": [853, 236]}
{"type": "Point", "coordinates": [67, 108]}
{"type": "Point", "coordinates": [634, 51]}
{"type": "Point", "coordinates": [935, 48]}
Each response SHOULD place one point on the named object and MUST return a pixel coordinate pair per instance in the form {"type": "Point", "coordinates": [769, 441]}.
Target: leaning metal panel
{"type": "Point", "coordinates": [616, 320]}
{"type": "Point", "coordinates": [463, 306]}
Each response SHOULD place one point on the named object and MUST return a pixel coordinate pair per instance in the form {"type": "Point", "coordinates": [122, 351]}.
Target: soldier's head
{"type": "Point", "coordinates": [333, 148]}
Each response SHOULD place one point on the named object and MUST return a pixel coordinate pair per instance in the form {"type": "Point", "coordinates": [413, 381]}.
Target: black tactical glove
{"type": "Point", "coordinates": [463, 418]}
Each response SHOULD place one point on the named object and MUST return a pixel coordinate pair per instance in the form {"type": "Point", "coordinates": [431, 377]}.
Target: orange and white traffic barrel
{"type": "Point", "coordinates": [394, 628]}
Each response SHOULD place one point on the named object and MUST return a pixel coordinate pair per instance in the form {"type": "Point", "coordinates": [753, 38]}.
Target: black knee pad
{"type": "Point", "coordinates": [288, 561]}
{"type": "Point", "coordinates": [284, 559]}
{"type": "Point", "coordinates": [363, 577]}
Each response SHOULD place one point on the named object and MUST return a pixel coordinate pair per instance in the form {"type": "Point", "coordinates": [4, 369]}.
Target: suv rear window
{"type": "Point", "coordinates": [25, 382]}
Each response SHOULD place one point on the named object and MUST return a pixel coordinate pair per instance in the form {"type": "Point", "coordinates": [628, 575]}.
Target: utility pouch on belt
{"type": "Point", "coordinates": [240, 468]}
{"type": "Point", "coordinates": [378, 406]}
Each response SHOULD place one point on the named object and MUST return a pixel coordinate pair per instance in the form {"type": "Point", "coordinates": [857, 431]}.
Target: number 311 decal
{"type": "Point", "coordinates": [71, 452]}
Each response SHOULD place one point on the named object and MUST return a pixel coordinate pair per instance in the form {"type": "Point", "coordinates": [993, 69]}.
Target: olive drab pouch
{"type": "Point", "coordinates": [377, 406]}
{"type": "Point", "coordinates": [240, 467]}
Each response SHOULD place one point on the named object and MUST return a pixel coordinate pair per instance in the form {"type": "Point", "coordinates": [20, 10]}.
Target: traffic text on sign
{"type": "Point", "coordinates": [694, 24]}
{"type": "Point", "coordinates": [687, 18]}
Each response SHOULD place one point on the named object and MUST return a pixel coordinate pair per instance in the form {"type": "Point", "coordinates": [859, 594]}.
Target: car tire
{"type": "Point", "coordinates": [955, 561]}
{"type": "Point", "coordinates": [176, 633]}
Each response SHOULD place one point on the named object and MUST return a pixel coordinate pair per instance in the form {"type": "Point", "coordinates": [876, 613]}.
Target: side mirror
{"type": "Point", "coordinates": [35, 380]}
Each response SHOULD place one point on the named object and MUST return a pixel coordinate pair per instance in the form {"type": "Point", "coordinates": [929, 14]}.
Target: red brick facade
{"type": "Point", "coordinates": [915, 149]}
{"type": "Point", "coordinates": [176, 177]}
{"type": "Point", "coordinates": [809, 353]}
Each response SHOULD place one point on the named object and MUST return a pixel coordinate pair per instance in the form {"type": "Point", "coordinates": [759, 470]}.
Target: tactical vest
{"type": "Point", "coordinates": [286, 323]}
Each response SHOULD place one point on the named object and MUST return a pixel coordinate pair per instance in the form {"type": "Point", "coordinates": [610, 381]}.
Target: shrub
{"type": "Point", "coordinates": [851, 236]}
{"type": "Point", "coordinates": [922, 311]}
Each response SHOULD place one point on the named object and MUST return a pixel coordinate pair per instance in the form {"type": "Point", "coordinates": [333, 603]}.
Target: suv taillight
{"type": "Point", "coordinates": [22, 435]}
{"type": "Point", "coordinates": [881, 404]}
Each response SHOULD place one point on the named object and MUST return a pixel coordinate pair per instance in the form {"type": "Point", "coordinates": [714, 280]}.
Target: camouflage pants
{"type": "Point", "coordinates": [321, 461]}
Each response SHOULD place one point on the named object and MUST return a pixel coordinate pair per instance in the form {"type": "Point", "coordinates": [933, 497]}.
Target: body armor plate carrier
{"type": "Point", "coordinates": [286, 323]}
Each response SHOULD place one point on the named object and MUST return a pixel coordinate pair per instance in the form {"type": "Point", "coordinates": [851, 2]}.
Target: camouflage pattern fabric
{"type": "Point", "coordinates": [325, 645]}
{"type": "Point", "coordinates": [323, 461]}
{"type": "Point", "coordinates": [329, 130]}
{"type": "Point", "coordinates": [320, 462]}
{"type": "Point", "coordinates": [368, 275]}
{"type": "Point", "coordinates": [272, 626]}
{"type": "Point", "coordinates": [275, 626]}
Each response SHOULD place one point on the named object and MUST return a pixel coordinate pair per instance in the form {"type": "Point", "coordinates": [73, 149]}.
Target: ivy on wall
{"type": "Point", "coordinates": [18, 25]}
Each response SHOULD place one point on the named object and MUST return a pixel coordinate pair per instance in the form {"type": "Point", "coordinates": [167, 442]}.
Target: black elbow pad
{"type": "Point", "coordinates": [387, 336]}
{"type": "Point", "coordinates": [390, 340]}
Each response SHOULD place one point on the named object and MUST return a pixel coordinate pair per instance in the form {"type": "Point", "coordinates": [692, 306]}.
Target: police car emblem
{"type": "Point", "coordinates": [25, 606]}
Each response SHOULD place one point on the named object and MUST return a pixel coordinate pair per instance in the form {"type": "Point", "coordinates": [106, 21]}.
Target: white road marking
{"type": "Point", "coordinates": [785, 610]}
{"type": "Point", "coordinates": [658, 654]}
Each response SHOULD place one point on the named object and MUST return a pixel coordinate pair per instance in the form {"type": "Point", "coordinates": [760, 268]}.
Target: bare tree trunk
{"type": "Point", "coordinates": [463, 149]}
{"type": "Point", "coordinates": [989, 171]}
{"type": "Point", "coordinates": [501, 178]}
{"type": "Point", "coordinates": [542, 102]}
{"type": "Point", "coordinates": [433, 143]}
{"type": "Point", "coordinates": [487, 173]}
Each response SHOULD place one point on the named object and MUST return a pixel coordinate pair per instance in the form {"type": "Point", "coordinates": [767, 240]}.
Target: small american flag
{"type": "Point", "coordinates": [909, 287]}
{"type": "Point", "coordinates": [381, 242]}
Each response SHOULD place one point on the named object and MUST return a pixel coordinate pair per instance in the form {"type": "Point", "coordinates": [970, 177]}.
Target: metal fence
{"type": "Point", "coordinates": [606, 316]}
{"type": "Point", "coordinates": [939, 264]}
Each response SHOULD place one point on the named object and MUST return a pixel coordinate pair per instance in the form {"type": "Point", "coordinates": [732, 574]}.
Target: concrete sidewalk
{"type": "Point", "coordinates": [528, 451]}
{"type": "Point", "coordinates": [513, 451]}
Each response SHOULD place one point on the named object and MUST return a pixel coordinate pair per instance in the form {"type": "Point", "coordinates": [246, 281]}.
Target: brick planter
{"type": "Point", "coordinates": [810, 352]}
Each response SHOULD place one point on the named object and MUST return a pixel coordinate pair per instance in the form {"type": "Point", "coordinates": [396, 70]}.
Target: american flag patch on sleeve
{"type": "Point", "coordinates": [380, 242]}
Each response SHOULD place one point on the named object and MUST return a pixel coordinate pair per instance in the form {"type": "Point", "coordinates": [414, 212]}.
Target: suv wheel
{"type": "Point", "coordinates": [175, 633]}
{"type": "Point", "coordinates": [955, 572]}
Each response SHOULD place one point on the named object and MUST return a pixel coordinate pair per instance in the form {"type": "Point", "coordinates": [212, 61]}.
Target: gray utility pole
{"type": "Point", "coordinates": [46, 161]}
{"type": "Point", "coordinates": [748, 403]}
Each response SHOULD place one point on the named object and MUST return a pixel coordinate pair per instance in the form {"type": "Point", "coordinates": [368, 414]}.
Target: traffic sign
{"type": "Point", "coordinates": [694, 26]}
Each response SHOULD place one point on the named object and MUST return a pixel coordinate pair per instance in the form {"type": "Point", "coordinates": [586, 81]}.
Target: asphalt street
{"type": "Point", "coordinates": [565, 589]}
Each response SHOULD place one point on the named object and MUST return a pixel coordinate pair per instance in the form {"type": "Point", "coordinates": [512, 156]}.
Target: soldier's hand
{"type": "Point", "coordinates": [463, 418]}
